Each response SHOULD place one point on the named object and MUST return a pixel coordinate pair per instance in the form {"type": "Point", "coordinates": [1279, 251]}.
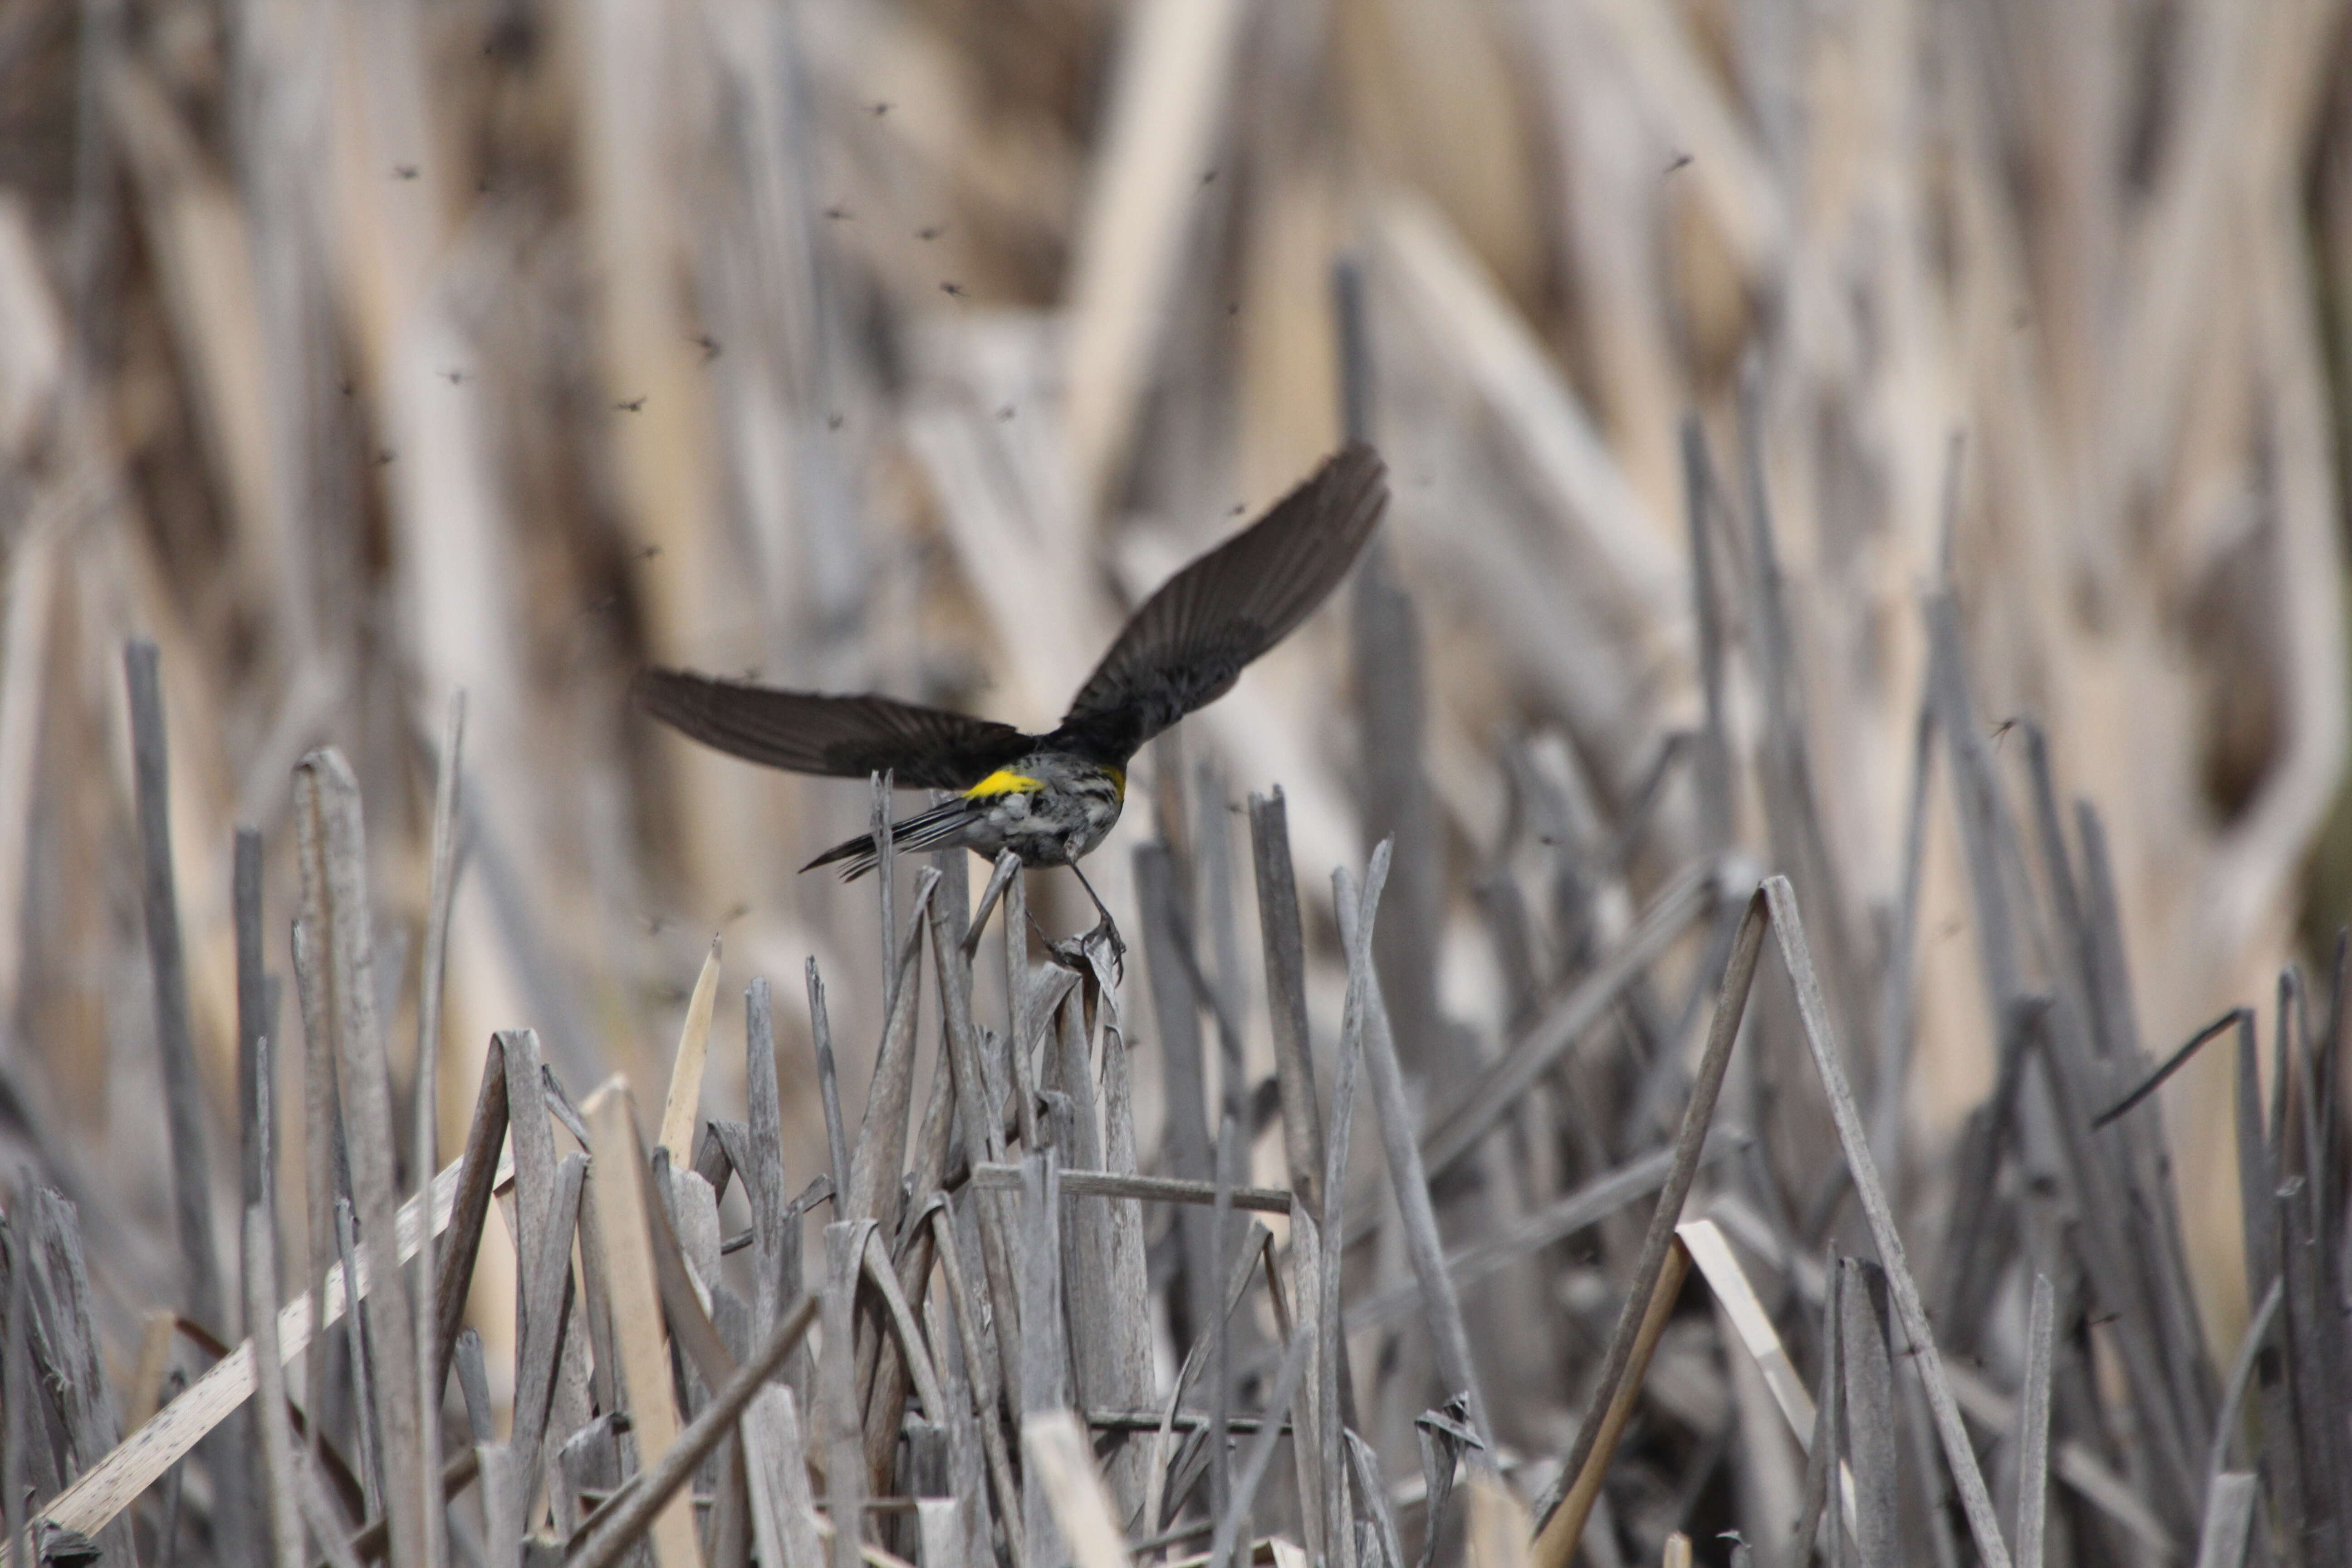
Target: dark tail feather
{"type": "Point", "coordinates": [924, 830]}
{"type": "Point", "coordinates": [858, 851]}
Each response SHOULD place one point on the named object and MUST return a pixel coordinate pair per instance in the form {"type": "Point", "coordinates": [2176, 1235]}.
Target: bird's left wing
{"type": "Point", "coordinates": [1191, 640]}
{"type": "Point", "coordinates": [844, 737]}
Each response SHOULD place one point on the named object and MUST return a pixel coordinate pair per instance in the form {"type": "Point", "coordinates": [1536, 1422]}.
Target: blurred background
{"type": "Point", "coordinates": [362, 353]}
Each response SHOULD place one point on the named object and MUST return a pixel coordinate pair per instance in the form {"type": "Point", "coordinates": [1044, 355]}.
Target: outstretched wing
{"type": "Point", "coordinates": [845, 736]}
{"type": "Point", "coordinates": [1191, 640]}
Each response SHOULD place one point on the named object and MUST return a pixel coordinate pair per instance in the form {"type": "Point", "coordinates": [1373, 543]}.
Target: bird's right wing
{"type": "Point", "coordinates": [1189, 641]}
{"type": "Point", "coordinates": [844, 737]}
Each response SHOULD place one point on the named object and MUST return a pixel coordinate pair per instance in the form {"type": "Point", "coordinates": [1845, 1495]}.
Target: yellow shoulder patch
{"type": "Point", "coordinates": [1118, 780]}
{"type": "Point", "coordinates": [1004, 781]}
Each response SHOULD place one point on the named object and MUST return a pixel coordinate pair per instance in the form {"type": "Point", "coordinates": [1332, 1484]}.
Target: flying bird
{"type": "Point", "coordinates": [1053, 799]}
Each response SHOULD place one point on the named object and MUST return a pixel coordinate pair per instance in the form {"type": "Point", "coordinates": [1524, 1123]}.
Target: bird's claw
{"type": "Point", "coordinates": [1078, 952]}
{"type": "Point", "coordinates": [1106, 932]}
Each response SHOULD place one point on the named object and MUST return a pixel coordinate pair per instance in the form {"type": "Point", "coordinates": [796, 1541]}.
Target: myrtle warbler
{"type": "Point", "coordinates": [1052, 798]}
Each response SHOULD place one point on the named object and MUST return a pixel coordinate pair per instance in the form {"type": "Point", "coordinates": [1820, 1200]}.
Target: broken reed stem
{"type": "Point", "coordinates": [984, 1386]}
{"type": "Point", "coordinates": [1280, 931]}
{"type": "Point", "coordinates": [983, 1133]}
{"type": "Point", "coordinates": [1221, 1335]}
{"type": "Point", "coordinates": [1261, 1451]}
{"type": "Point", "coordinates": [839, 1440]}
{"type": "Point", "coordinates": [1165, 1189]}
{"type": "Point", "coordinates": [1332, 1420]}
{"type": "Point", "coordinates": [836, 1140]}
{"type": "Point", "coordinates": [257, 1163]}
{"type": "Point", "coordinates": [763, 1172]}
{"type": "Point", "coordinates": [476, 1168]}
{"type": "Point", "coordinates": [142, 1459]}
{"type": "Point", "coordinates": [254, 1022]}
{"type": "Point", "coordinates": [183, 1110]}
{"type": "Point", "coordinates": [622, 1201]}
{"type": "Point", "coordinates": [2242, 1372]}
{"type": "Point", "coordinates": [1556, 1534]}
{"type": "Point", "coordinates": [1895, 1022]}
{"type": "Point", "coordinates": [318, 1108]}
{"type": "Point", "coordinates": [2172, 1064]}
{"type": "Point", "coordinates": [1455, 1129]}
{"type": "Point", "coordinates": [1399, 1137]}
{"type": "Point", "coordinates": [281, 1511]}
{"type": "Point", "coordinates": [1185, 1148]}
{"type": "Point", "coordinates": [1975, 1502]}
{"type": "Point", "coordinates": [335, 868]}
{"type": "Point", "coordinates": [684, 1099]}
{"type": "Point", "coordinates": [1555, 1542]}
{"type": "Point", "coordinates": [427, 1109]}
{"type": "Point", "coordinates": [2033, 1423]}
{"type": "Point", "coordinates": [651, 1492]}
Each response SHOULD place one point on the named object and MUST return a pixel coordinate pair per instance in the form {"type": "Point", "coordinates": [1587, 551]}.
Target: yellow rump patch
{"type": "Point", "coordinates": [1004, 781]}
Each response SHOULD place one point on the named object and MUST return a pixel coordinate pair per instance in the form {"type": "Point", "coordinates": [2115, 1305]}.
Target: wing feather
{"type": "Point", "coordinates": [844, 737]}
{"type": "Point", "coordinates": [1191, 639]}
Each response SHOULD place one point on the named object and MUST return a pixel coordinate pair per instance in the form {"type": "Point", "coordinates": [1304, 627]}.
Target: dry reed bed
{"type": "Point", "coordinates": [363, 355]}
{"type": "Point", "coordinates": [981, 1385]}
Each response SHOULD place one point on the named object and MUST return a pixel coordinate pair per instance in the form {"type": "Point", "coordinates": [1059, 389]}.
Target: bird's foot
{"type": "Point", "coordinates": [1085, 951]}
{"type": "Point", "coordinates": [1105, 932]}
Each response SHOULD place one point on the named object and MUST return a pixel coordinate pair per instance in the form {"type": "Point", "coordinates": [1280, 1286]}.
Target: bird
{"type": "Point", "coordinates": [1053, 799]}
